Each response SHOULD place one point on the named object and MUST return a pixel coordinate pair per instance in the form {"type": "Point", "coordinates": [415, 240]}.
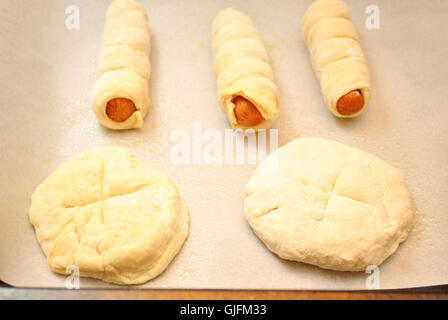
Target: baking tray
{"type": "Point", "coordinates": [48, 72]}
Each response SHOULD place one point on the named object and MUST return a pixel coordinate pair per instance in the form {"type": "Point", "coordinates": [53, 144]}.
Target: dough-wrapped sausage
{"type": "Point", "coordinates": [121, 92]}
{"type": "Point", "coordinates": [337, 58]}
{"type": "Point", "coordinates": [246, 90]}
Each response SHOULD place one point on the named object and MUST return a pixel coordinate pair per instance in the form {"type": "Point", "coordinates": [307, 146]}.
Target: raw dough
{"type": "Point", "coordinates": [324, 203]}
{"type": "Point", "coordinates": [336, 55]}
{"type": "Point", "coordinates": [124, 68]}
{"type": "Point", "coordinates": [242, 67]}
{"type": "Point", "coordinates": [114, 217]}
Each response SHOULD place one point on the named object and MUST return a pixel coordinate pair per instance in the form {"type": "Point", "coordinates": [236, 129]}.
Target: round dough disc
{"type": "Point", "coordinates": [109, 214]}
{"type": "Point", "coordinates": [324, 203]}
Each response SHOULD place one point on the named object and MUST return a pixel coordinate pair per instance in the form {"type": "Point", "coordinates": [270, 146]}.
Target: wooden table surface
{"type": "Point", "coordinates": [438, 292]}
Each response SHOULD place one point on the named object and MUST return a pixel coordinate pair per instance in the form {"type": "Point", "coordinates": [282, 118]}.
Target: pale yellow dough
{"type": "Point", "coordinates": [336, 55]}
{"type": "Point", "coordinates": [324, 203]}
{"type": "Point", "coordinates": [242, 68]}
{"type": "Point", "coordinates": [124, 67]}
{"type": "Point", "coordinates": [114, 217]}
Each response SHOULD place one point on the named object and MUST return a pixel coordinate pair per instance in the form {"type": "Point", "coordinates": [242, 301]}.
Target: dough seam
{"type": "Point", "coordinates": [135, 190]}
{"type": "Point", "coordinates": [330, 194]}
{"type": "Point", "coordinates": [58, 238]}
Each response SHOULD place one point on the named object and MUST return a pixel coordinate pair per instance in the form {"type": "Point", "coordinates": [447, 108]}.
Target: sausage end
{"type": "Point", "coordinates": [246, 113]}
{"type": "Point", "coordinates": [120, 109]}
{"type": "Point", "coordinates": [350, 103]}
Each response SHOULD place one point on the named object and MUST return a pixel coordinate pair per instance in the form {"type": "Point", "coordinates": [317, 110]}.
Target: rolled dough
{"type": "Point", "coordinates": [335, 53]}
{"type": "Point", "coordinates": [124, 66]}
{"type": "Point", "coordinates": [112, 216]}
{"type": "Point", "coordinates": [324, 203]}
{"type": "Point", "coordinates": [242, 68]}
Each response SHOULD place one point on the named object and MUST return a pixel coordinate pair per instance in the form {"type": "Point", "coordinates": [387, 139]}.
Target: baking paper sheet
{"type": "Point", "coordinates": [48, 71]}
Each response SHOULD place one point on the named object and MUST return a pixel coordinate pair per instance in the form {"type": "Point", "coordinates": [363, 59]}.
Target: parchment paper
{"type": "Point", "coordinates": [48, 72]}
